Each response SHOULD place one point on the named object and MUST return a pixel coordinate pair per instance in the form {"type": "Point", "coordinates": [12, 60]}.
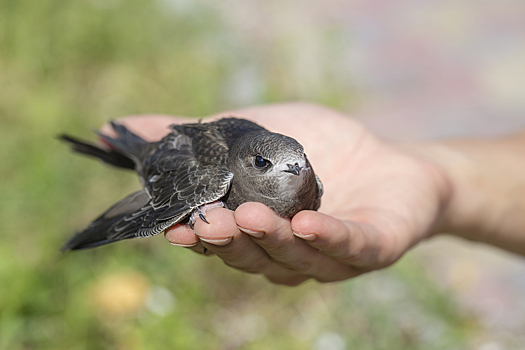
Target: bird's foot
{"type": "Point", "coordinates": [200, 212]}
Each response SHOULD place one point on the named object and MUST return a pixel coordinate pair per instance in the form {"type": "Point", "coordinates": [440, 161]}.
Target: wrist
{"type": "Point", "coordinates": [433, 156]}
{"type": "Point", "coordinates": [487, 179]}
{"type": "Point", "coordinates": [468, 199]}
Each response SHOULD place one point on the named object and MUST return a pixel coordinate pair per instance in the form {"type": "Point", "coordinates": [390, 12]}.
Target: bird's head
{"type": "Point", "coordinates": [269, 164]}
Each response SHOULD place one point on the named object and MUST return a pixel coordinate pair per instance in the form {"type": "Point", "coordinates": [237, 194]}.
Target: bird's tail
{"type": "Point", "coordinates": [109, 156]}
{"type": "Point", "coordinates": [124, 152]}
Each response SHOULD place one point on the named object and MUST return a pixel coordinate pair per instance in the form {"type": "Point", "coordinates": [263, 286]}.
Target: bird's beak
{"type": "Point", "coordinates": [293, 169]}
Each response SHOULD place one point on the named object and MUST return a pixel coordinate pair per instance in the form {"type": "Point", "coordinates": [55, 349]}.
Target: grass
{"type": "Point", "coordinates": [69, 66]}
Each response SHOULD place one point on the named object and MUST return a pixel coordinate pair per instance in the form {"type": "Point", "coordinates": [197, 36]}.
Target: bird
{"type": "Point", "coordinates": [196, 167]}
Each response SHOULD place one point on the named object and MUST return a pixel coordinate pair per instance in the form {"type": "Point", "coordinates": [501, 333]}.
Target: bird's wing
{"type": "Point", "coordinates": [320, 191]}
{"type": "Point", "coordinates": [178, 180]}
{"type": "Point", "coordinates": [97, 233]}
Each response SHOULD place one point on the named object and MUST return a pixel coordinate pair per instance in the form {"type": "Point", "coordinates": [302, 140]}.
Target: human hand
{"type": "Point", "coordinates": [379, 200]}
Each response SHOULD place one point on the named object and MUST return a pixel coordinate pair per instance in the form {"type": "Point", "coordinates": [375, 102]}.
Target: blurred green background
{"type": "Point", "coordinates": [70, 66]}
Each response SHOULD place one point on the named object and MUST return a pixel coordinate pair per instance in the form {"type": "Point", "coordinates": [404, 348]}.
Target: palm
{"type": "Point", "coordinates": [366, 180]}
{"type": "Point", "coordinates": [378, 202]}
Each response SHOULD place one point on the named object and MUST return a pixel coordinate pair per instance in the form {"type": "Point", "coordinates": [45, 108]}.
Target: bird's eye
{"type": "Point", "coordinates": [260, 162]}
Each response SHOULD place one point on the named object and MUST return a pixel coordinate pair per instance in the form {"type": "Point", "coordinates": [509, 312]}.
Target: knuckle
{"type": "Point", "coordinates": [339, 275]}
{"type": "Point", "coordinates": [351, 255]}
{"type": "Point", "coordinates": [246, 266]}
{"type": "Point", "coordinates": [298, 266]}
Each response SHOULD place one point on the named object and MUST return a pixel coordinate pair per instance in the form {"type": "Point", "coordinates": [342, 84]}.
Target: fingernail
{"type": "Point", "coordinates": [183, 245]}
{"type": "Point", "coordinates": [220, 241]}
{"type": "Point", "coordinates": [256, 234]}
{"type": "Point", "coordinates": [306, 237]}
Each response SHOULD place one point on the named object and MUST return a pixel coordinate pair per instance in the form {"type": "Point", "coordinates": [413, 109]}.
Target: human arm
{"type": "Point", "coordinates": [488, 189]}
{"type": "Point", "coordinates": [381, 198]}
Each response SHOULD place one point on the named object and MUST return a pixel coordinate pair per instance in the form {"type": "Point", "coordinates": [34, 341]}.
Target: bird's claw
{"type": "Point", "coordinates": [200, 212]}
{"type": "Point", "coordinates": [203, 218]}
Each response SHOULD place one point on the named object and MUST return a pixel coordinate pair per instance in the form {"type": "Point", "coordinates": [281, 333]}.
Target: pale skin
{"type": "Point", "coordinates": [380, 198]}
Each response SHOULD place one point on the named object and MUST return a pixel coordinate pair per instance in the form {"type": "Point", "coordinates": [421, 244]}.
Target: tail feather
{"type": "Point", "coordinates": [128, 143]}
{"type": "Point", "coordinates": [126, 151]}
{"type": "Point", "coordinates": [125, 135]}
{"type": "Point", "coordinates": [109, 156]}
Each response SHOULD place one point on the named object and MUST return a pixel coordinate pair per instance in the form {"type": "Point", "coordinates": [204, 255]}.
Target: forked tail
{"type": "Point", "coordinates": [109, 156]}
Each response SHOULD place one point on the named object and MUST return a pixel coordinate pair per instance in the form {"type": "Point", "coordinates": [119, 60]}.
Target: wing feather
{"type": "Point", "coordinates": [188, 169]}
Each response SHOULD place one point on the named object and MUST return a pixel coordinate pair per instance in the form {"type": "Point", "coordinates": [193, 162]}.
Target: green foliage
{"type": "Point", "coordinates": [69, 66]}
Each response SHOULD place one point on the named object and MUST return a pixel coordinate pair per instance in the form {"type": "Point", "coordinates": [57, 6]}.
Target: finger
{"type": "Point", "coordinates": [222, 237]}
{"type": "Point", "coordinates": [181, 235]}
{"type": "Point", "coordinates": [274, 234]}
{"type": "Point", "coordinates": [354, 243]}
{"type": "Point", "coordinates": [149, 127]}
{"type": "Point", "coordinates": [200, 249]}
